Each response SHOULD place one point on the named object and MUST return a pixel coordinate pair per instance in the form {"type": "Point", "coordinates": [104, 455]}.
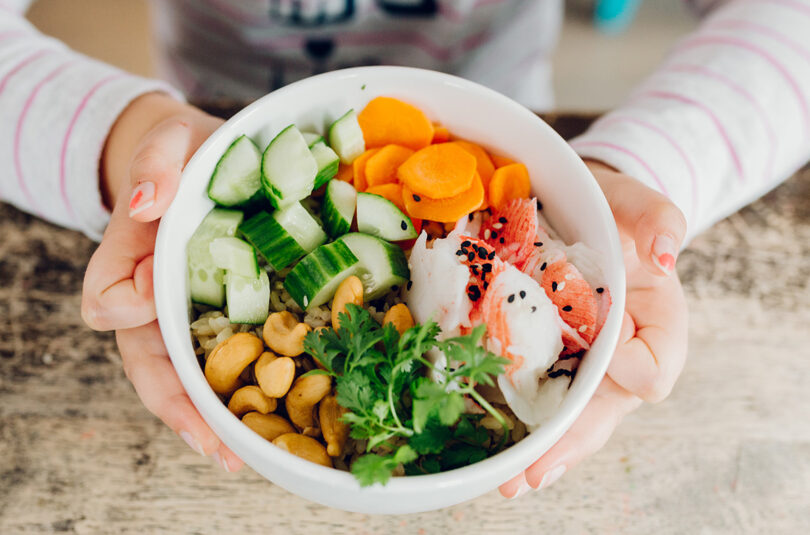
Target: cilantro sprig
{"type": "Point", "coordinates": [390, 403]}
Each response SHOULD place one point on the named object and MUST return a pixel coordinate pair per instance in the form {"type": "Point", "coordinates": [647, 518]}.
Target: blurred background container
{"type": "Point", "coordinates": [594, 69]}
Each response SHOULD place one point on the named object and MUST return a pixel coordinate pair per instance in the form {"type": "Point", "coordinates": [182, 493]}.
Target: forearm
{"type": "Point", "coordinates": [725, 119]}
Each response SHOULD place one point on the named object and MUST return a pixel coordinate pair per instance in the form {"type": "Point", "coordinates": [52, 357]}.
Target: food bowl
{"type": "Point", "coordinates": [573, 204]}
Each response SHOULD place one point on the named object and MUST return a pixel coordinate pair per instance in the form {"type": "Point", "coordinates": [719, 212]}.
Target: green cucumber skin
{"type": "Point", "coordinates": [328, 163]}
{"type": "Point", "coordinates": [326, 174]}
{"type": "Point", "coordinates": [271, 240]}
{"type": "Point", "coordinates": [246, 196]}
{"type": "Point", "coordinates": [314, 280]}
{"type": "Point", "coordinates": [390, 269]}
{"type": "Point", "coordinates": [379, 217]}
{"type": "Point", "coordinates": [335, 223]}
{"type": "Point", "coordinates": [278, 198]}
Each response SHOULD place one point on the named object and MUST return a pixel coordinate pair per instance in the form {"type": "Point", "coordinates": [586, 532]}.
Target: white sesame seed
{"type": "Point", "coordinates": [487, 234]}
{"type": "Point", "coordinates": [582, 328]}
{"type": "Point", "coordinates": [306, 301]}
{"type": "Point", "coordinates": [497, 226]}
{"type": "Point", "coordinates": [569, 276]}
{"type": "Point", "coordinates": [560, 286]}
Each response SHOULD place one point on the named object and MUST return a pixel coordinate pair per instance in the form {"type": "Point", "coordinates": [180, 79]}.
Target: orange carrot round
{"type": "Point", "coordinates": [438, 171]}
{"type": "Point", "coordinates": [345, 173]}
{"type": "Point", "coordinates": [483, 163]}
{"type": "Point", "coordinates": [392, 192]}
{"type": "Point", "coordinates": [501, 161]}
{"type": "Point", "coordinates": [359, 167]}
{"type": "Point", "coordinates": [381, 167]}
{"type": "Point", "coordinates": [387, 120]}
{"type": "Point", "coordinates": [440, 134]}
{"type": "Point", "coordinates": [445, 210]}
{"type": "Point", "coordinates": [509, 182]}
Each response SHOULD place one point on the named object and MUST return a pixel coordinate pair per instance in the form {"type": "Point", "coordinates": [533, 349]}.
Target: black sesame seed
{"type": "Point", "coordinates": [554, 286]}
{"type": "Point", "coordinates": [534, 309]}
{"type": "Point", "coordinates": [473, 293]}
{"type": "Point", "coordinates": [416, 197]}
{"type": "Point", "coordinates": [410, 283]}
{"type": "Point", "coordinates": [511, 298]}
{"type": "Point", "coordinates": [539, 205]}
{"type": "Point", "coordinates": [538, 244]}
{"type": "Point", "coordinates": [491, 256]}
{"type": "Point", "coordinates": [543, 267]}
{"type": "Point", "coordinates": [486, 285]}
{"type": "Point", "coordinates": [395, 288]}
{"type": "Point", "coordinates": [482, 253]}
{"type": "Point", "coordinates": [568, 308]}
{"type": "Point", "coordinates": [470, 216]}
{"type": "Point", "coordinates": [466, 243]}
{"type": "Point", "coordinates": [404, 225]}
{"type": "Point", "coordinates": [461, 252]}
{"type": "Point", "coordinates": [502, 240]}
{"type": "Point", "coordinates": [486, 268]}
{"type": "Point", "coordinates": [474, 269]}
{"type": "Point", "coordinates": [494, 234]}
{"type": "Point", "coordinates": [600, 290]}
{"type": "Point", "coordinates": [471, 256]}
{"type": "Point", "coordinates": [502, 219]}
{"type": "Point", "coordinates": [523, 294]}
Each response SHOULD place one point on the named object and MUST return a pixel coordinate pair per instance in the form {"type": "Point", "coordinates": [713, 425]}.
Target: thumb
{"type": "Point", "coordinates": [655, 224]}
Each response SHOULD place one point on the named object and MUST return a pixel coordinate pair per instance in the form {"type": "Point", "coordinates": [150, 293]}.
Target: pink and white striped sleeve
{"type": "Point", "coordinates": [56, 108]}
{"type": "Point", "coordinates": [725, 119]}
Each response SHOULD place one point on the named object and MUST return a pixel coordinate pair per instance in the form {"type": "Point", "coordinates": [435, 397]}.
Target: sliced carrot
{"type": "Point", "coordinates": [438, 171]}
{"type": "Point", "coordinates": [381, 167]}
{"type": "Point", "coordinates": [483, 165]}
{"type": "Point", "coordinates": [359, 166]}
{"type": "Point", "coordinates": [444, 210]}
{"type": "Point", "coordinates": [387, 120]}
{"type": "Point", "coordinates": [509, 182]}
{"type": "Point", "coordinates": [345, 173]}
{"type": "Point", "coordinates": [501, 161]}
{"type": "Point", "coordinates": [392, 192]}
{"type": "Point", "coordinates": [440, 134]}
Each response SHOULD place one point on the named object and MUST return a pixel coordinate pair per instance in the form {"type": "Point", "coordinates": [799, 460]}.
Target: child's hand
{"type": "Point", "coordinates": [651, 350]}
{"type": "Point", "coordinates": [144, 156]}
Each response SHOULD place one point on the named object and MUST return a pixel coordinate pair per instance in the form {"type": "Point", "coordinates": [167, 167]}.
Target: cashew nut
{"type": "Point", "coordinates": [284, 334]}
{"type": "Point", "coordinates": [305, 393]}
{"type": "Point", "coordinates": [269, 426]}
{"type": "Point", "coordinates": [349, 291]}
{"type": "Point", "coordinates": [251, 398]}
{"type": "Point", "coordinates": [305, 447]}
{"type": "Point", "coordinates": [274, 374]}
{"type": "Point", "coordinates": [400, 317]}
{"type": "Point", "coordinates": [229, 358]}
{"type": "Point", "coordinates": [335, 432]}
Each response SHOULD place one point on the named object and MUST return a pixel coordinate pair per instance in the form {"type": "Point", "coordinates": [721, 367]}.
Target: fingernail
{"type": "Point", "coordinates": [523, 489]}
{"type": "Point", "coordinates": [142, 198]}
{"type": "Point", "coordinates": [664, 253]}
{"type": "Point", "coordinates": [222, 461]}
{"type": "Point", "coordinates": [192, 442]}
{"type": "Point", "coordinates": [551, 476]}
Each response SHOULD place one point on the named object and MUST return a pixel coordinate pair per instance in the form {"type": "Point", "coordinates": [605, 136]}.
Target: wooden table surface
{"type": "Point", "coordinates": [727, 452]}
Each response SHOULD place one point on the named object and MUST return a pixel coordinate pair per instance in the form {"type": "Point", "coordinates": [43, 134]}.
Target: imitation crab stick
{"type": "Point", "coordinates": [359, 168]}
{"type": "Point", "coordinates": [438, 171]}
{"type": "Point", "coordinates": [508, 183]}
{"type": "Point", "coordinates": [446, 210]}
{"type": "Point", "coordinates": [381, 167]}
{"type": "Point", "coordinates": [386, 120]}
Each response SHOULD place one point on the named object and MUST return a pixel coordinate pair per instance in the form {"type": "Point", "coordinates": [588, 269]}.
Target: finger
{"type": "Point", "coordinates": [515, 487]}
{"type": "Point", "coordinates": [653, 221]}
{"type": "Point", "coordinates": [648, 363]}
{"type": "Point", "coordinates": [227, 459]}
{"type": "Point", "coordinates": [147, 365]}
{"type": "Point", "coordinates": [588, 434]}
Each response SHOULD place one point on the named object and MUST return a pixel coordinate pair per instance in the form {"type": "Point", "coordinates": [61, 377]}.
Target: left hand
{"type": "Point", "coordinates": [651, 350]}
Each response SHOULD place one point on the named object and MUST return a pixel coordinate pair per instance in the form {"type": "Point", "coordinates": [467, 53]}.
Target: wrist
{"type": "Point", "coordinates": [137, 119]}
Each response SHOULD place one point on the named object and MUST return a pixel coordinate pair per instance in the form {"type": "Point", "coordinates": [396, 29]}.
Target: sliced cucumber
{"type": "Point", "coordinates": [328, 163]}
{"type": "Point", "coordinates": [338, 207]}
{"type": "Point", "coordinates": [234, 255]}
{"type": "Point", "coordinates": [288, 168]}
{"type": "Point", "coordinates": [237, 176]}
{"type": "Point", "coordinates": [206, 280]}
{"type": "Point", "coordinates": [383, 265]}
{"type": "Point", "coordinates": [248, 297]}
{"type": "Point", "coordinates": [312, 138]}
{"type": "Point", "coordinates": [346, 137]}
{"type": "Point", "coordinates": [285, 236]}
{"type": "Point", "coordinates": [378, 216]}
{"type": "Point", "coordinates": [314, 280]}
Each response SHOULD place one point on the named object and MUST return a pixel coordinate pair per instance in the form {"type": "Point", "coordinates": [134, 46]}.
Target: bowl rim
{"type": "Point", "coordinates": [209, 405]}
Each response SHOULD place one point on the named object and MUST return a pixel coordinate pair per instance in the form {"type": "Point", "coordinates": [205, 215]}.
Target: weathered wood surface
{"type": "Point", "coordinates": [728, 452]}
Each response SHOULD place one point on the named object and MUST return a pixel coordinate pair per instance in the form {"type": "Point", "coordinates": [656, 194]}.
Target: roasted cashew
{"type": "Point", "coordinates": [274, 374]}
{"type": "Point", "coordinates": [284, 334]}
{"type": "Point", "coordinates": [303, 396]}
{"type": "Point", "coordinates": [251, 398]}
{"type": "Point", "coordinates": [229, 358]}
{"type": "Point", "coordinates": [400, 317]}
{"type": "Point", "coordinates": [349, 291]}
{"type": "Point", "coordinates": [305, 447]}
{"type": "Point", "coordinates": [269, 426]}
{"type": "Point", "coordinates": [335, 432]}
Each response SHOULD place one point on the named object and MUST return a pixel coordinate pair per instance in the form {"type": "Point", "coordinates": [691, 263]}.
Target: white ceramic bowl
{"type": "Point", "coordinates": [573, 204]}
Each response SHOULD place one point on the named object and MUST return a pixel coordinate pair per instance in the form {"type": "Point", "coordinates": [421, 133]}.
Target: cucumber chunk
{"type": "Point", "coordinates": [338, 207]}
{"type": "Point", "coordinates": [248, 297]}
{"type": "Point", "coordinates": [328, 163]}
{"type": "Point", "coordinates": [237, 176]}
{"type": "Point", "coordinates": [378, 216]}
{"type": "Point", "coordinates": [312, 138]}
{"type": "Point", "coordinates": [346, 137]}
{"type": "Point", "coordinates": [206, 280]}
{"type": "Point", "coordinates": [382, 265]}
{"type": "Point", "coordinates": [288, 168]}
{"type": "Point", "coordinates": [314, 280]}
{"type": "Point", "coordinates": [235, 256]}
{"type": "Point", "coordinates": [285, 236]}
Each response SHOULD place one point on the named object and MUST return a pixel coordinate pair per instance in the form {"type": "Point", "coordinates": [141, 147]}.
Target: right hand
{"type": "Point", "coordinates": [143, 159]}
